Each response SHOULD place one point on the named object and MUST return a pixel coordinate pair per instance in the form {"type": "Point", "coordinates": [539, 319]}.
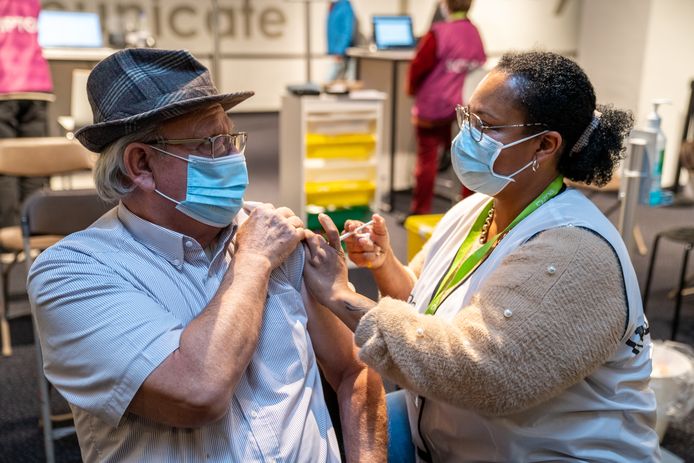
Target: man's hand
{"type": "Point", "coordinates": [270, 233]}
{"type": "Point", "coordinates": [370, 247]}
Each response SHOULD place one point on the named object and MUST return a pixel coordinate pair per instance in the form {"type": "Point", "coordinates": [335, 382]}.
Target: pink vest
{"type": "Point", "coordinates": [459, 49]}
{"type": "Point", "coordinates": [22, 66]}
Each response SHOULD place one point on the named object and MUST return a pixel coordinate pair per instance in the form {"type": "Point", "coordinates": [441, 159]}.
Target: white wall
{"type": "Point", "coordinates": [610, 48]}
{"type": "Point", "coordinates": [511, 24]}
{"type": "Point", "coordinates": [668, 69]}
{"type": "Point", "coordinates": [521, 25]}
{"type": "Point", "coordinates": [635, 51]}
{"type": "Point", "coordinates": [263, 42]}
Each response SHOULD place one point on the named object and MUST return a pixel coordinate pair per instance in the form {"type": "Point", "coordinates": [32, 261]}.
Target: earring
{"type": "Point", "coordinates": [535, 165]}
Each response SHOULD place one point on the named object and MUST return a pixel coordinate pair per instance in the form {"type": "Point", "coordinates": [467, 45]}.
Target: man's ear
{"type": "Point", "coordinates": [136, 158]}
{"type": "Point", "coordinates": [550, 145]}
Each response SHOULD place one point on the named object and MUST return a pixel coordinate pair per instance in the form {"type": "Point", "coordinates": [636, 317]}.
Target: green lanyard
{"type": "Point", "coordinates": [457, 16]}
{"type": "Point", "coordinates": [460, 269]}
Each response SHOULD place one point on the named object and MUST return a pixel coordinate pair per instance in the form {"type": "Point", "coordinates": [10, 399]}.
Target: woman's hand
{"type": "Point", "coordinates": [325, 270]}
{"type": "Point", "coordinates": [325, 276]}
{"type": "Point", "coordinates": [370, 247]}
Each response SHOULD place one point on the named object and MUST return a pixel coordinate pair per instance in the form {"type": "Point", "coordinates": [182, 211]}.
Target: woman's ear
{"type": "Point", "coordinates": [550, 144]}
{"type": "Point", "coordinates": [136, 158]}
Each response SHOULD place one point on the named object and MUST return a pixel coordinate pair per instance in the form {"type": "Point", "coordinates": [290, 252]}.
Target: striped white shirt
{"type": "Point", "coordinates": [111, 302]}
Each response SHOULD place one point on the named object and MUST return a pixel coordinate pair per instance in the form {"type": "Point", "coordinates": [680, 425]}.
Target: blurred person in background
{"type": "Point", "coordinates": [177, 326]}
{"type": "Point", "coordinates": [341, 31]}
{"type": "Point", "coordinates": [445, 55]}
{"type": "Point", "coordinates": [25, 89]}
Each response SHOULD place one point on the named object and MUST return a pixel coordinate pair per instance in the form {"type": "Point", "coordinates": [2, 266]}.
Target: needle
{"type": "Point", "coordinates": [356, 230]}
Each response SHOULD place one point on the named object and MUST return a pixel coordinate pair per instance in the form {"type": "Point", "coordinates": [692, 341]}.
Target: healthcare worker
{"type": "Point", "coordinates": [518, 331]}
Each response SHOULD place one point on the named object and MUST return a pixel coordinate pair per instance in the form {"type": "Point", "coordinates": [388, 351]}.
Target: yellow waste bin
{"type": "Point", "coordinates": [419, 229]}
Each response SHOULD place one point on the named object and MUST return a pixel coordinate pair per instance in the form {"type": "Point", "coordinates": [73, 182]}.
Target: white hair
{"type": "Point", "coordinates": [110, 176]}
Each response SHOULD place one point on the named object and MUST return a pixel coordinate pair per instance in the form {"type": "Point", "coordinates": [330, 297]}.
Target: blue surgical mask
{"type": "Point", "coordinates": [473, 162]}
{"type": "Point", "coordinates": [214, 194]}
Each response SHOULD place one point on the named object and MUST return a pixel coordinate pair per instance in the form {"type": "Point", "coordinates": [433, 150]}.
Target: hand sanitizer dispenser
{"type": "Point", "coordinates": [656, 195]}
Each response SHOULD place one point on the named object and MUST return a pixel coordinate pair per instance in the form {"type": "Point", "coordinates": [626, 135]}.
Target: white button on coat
{"type": "Point", "coordinates": [551, 270]}
{"type": "Point", "coordinates": [419, 332]}
{"type": "Point", "coordinates": [508, 313]}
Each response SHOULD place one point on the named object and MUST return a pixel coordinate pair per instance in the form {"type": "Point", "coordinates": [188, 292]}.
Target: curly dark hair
{"type": "Point", "coordinates": [554, 90]}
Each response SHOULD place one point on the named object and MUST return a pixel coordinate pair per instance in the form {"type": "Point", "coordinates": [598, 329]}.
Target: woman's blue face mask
{"type": "Point", "coordinates": [473, 161]}
{"type": "Point", "coordinates": [215, 190]}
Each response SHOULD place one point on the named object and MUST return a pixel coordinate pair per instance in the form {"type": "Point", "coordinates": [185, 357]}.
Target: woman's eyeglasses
{"type": "Point", "coordinates": [475, 125]}
{"type": "Point", "coordinates": [218, 146]}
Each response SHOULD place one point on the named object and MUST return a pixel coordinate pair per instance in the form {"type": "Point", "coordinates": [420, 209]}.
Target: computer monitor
{"type": "Point", "coordinates": [70, 29]}
{"type": "Point", "coordinates": [392, 32]}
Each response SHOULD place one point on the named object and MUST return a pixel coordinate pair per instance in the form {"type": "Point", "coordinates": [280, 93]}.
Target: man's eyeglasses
{"type": "Point", "coordinates": [218, 146]}
{"type": "Point", "coordinates": [477, 127]}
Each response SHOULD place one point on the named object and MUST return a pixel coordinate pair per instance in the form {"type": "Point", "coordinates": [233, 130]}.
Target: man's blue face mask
{"type": "Point", "coordinates": [215, 190]}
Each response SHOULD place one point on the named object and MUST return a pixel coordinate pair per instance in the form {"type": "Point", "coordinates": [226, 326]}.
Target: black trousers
{"type": "Point", "coordinates": [20, 118]}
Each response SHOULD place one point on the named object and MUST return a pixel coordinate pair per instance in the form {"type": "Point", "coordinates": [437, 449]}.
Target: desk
{"type": "Point", "coordinates": [62, 62]}
{"type": "Point", "coordinates": [386, 71]}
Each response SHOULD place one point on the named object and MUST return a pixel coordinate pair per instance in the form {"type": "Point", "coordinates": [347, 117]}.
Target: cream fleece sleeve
{"type": "Point", "coordinates": [565, 293]}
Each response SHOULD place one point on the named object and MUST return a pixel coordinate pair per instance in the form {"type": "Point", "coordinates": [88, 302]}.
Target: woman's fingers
{"type": "Point", "coordinates": [379, 225]}
{"type": "Point", "coordinates": [314, 242]}
{"type": "Point", "coordinates": [331, 232]}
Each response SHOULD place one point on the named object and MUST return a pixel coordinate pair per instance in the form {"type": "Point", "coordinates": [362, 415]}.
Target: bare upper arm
{"type": "Point", "coordinates": [332, 342]}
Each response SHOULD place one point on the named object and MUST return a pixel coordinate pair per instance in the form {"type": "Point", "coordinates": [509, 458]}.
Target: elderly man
{"type": "Point", "coordinates": [176, 325]}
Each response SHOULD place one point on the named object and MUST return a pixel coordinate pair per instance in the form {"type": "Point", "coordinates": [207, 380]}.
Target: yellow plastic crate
{"type": "Point", "coordinates": [344, 193]}
{"type": "Point", "coordinates": [419, 229]}
{"type": "Point", "coordinates": [351, 146]}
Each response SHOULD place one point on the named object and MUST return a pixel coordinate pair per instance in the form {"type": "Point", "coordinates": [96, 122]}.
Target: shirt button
{"type": "Point", "coordinates": [254, 414]}
{"type": "Point", "coordinates": [176, 262]}
{"type": "Point", "coordinates": [189, 244]}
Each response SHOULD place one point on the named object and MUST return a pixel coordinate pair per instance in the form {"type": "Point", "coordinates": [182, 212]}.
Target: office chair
{"type": "Point", "coordinates": [32, 157]}
{"type": "Point", "coordinates": [55, 213]}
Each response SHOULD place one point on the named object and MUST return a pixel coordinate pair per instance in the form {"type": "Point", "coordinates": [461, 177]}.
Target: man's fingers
{"type": "Point", "coordinates": [285, 212]}
{"type": "Point", "coordinates": [248, 206]}
{"type": "Point", "coordinates": [296, 222]}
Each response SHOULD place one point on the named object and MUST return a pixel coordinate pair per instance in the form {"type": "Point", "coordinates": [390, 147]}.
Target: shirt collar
{"type": "Point", "coordinates": [164, 242]}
